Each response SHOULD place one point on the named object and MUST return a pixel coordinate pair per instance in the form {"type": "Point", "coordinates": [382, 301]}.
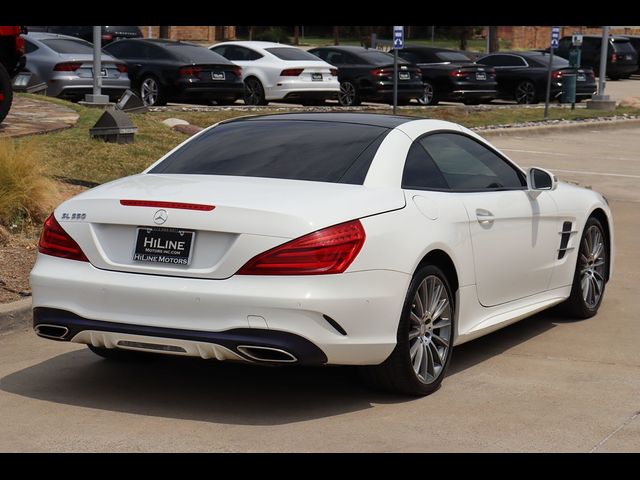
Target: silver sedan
{"type": "Point", "coordinates": [65, 64]}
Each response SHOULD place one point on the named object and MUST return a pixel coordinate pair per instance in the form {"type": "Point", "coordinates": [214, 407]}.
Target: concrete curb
{"type": "Point", "coordinates": [546, 129]}
{"type": "Point", "coordinates": [15, 315]}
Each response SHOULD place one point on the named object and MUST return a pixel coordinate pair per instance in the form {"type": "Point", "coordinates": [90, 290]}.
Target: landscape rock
{"type": "Point", "coordinates": [187, 129]}
{"type": "Point", "coordinates": [172, 122]}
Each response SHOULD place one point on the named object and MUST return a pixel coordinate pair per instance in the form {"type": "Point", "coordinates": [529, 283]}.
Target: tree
{"type": "Point", "coordinates": [336, 35]}
{"type": "Point", "coordinates": [296, 35]}
{"type": "Point", "coordinates": [494, 45]}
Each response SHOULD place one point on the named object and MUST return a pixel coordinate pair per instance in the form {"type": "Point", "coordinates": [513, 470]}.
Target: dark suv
{"type": "Point", "coordinates": [11, 62]}
{"type": "Point", "coordinates": [109, 33]}
{"type": "Point", "coordinates": [622, 58]}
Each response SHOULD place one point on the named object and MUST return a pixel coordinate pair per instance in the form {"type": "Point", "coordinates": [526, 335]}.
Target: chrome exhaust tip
{"type": "Point", "coordinates": [266, 354]}
{"type": "Point", "coordinates": [56, 332]}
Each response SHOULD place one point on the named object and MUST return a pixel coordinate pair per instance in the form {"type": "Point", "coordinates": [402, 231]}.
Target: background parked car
{"type": "Point", "coordinates": [451, 75]}
{"type": "Point", "coordinates": [367, 74]}
{"type": "Point", "coordinates": [272, 71]}
{"type": "Point", "coordinates": [109, 33]}
{"type": "Point", "coordinates": [163, 70]}
{"type": "Point", "coordinates": [635, 42]}
{"type": "Point", "coordinates": [11, 62]}
{"type": "Point", "coordinates": [522, 76]}
{"type": "Point", "coordinates": [622, 58]}
{"type": "Point", "coordinates": [65, 64]}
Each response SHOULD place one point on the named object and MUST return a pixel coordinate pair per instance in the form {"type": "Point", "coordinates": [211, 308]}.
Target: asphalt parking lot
{"type": "Point", "coordinates": [543, 384]}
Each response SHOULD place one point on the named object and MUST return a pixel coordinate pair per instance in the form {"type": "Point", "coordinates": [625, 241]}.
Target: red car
{"type": "Point", "coordinates": [11, 62]}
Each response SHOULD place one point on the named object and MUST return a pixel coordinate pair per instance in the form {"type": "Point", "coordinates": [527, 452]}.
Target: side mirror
{"type": "Point", "coordinates": [539, 179]}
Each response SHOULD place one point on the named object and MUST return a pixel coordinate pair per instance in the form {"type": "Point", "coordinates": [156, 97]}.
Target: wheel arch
{"type": "Point", "coordinates": [442, 260]}
{"type": "Point", "coordinates": [599, 214]}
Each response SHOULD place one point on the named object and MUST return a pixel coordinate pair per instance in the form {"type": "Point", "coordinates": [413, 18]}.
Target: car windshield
{"type": "Point", "coordinates": [288, 53]}
{"type": "Point", "coordinates": [623, 46]}
{"type": "Point", "coordinates": [69, 45]}
{"type": "Point", "coordinates": [453, 57]}
{"type": "Point", "coordinates": [288, 149]}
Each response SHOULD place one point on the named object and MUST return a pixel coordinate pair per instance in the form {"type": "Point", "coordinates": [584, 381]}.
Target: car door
{"type": "Point", "coordinates": [510, 70]}
{"type": "Point", "coordinates": [513, 233]}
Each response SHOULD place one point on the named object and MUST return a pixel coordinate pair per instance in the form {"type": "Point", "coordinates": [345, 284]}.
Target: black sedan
{"type": "Point", "coordinates": [522, 76]}
{"type": "Point", "coordinates": [367, 74]}
{"type": "Point", "coordinates": [163, 70]}
{"type": "Point", "coordinates": [450, 75]}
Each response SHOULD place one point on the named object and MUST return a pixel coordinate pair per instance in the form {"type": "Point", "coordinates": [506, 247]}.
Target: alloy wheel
{"type": "Point", "coordinates": [592, 266]}
{"type": "Point", "coordinates": [149, 91]}
{"type": "Point", "coordinates": [427, 95]}
{"type": "Point", "coordinates": [430, 329]}
{"type": "Point", "coordinates": [253, 92]}
{"type": "Point", "coordinates": [347, 94]}
{"type": "Point", "coordinates": [525, 93]}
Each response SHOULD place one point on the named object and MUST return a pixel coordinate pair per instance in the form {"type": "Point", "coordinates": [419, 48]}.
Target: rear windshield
{"type": "Point", "coordinates": [68, 45]}
{"type": "Point", "coordinates": [376, 57]}
{"type": "Point", "coordinates": [287, 53]}
{"type": "Point", "coordinates": [623, 46]}
{"type": "Point", "coordinates": [453, 57]}
{"type": "Point", "coordinates": [289, 149]}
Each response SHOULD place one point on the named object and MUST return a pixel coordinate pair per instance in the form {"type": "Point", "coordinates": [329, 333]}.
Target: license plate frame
{"type": "Point", "coordinates": [481, 75]}
{"type": "Point", "coordinates": [103, 72]}
{"type": "Point", "coordinates": [218, 76]}
{"type": "Point", "coordinates": [404, 76]}
{"type": "Point", "coordinates": [581, 77]}
{"type": "Point", "coordinates": [166, 250]}
{"type": "Point", "coordinates": [316, 77]}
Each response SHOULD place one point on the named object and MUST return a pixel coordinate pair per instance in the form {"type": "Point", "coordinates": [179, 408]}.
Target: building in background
{"type": "Point", "coordinates": [530, 37]}
{"type": "Point", "coordinates": [198, 33]}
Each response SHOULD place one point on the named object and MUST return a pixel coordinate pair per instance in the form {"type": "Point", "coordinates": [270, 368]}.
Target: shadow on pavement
{"type": "Point", "coordinates": [228, 393]}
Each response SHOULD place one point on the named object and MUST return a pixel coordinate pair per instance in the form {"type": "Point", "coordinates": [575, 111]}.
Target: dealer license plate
{"type": "Point", "coordinates": [316, 77]}
{"type": "Point", "coordinates": [217, 75]}
{"type": "Point", "coordinates": [481, 76]}
{"type": "Point", "coordinates": [404, 75]}
{"type": "Point", "coordinates": [163, 245]}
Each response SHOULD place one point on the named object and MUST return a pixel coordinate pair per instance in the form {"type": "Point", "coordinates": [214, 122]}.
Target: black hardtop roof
{"type": "Point", "coordinates": [372, 119]}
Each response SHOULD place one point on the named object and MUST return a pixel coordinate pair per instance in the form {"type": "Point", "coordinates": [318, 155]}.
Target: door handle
{"type": "Point", "coordinates": [484, 216]}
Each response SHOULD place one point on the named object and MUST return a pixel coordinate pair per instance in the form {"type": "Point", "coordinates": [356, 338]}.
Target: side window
{"type": "Point", "coordinates": [335, 58]}
{"type": "Point", "coordinates": [492, 60]}
{"type": "Point", "coordinates": [320, 54]}
{"type": "Point", "coordinates": [420, 171]}
{"type": "Point", "coordinates": [245, 54]}
{"type": "Point", "coordinates": [409, 56]}
{"type": "Point", "coordinates": [468, 165]}
{"type": "Point", "coordinates": [220, 50]}
{"type": "Point", "coordinates": [29, 47]}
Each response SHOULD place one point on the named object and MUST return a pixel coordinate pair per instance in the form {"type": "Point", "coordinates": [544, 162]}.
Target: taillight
{"type": "Point", "coordinates": [379, 71]}
{"type": "Point", "coordinates": [122, 68]}
{"type": "Point", "coordinates": [237, 71]}
{"type": "Point", "coordinates": [418, 72]}
{"type": "Point", "coordinates": [67, 66]}
{"type": "Point", "coordinates": [19, 45]}
{"type": "Point", "coordinates": [334, 72]}
{"type": "Point", "coordinates": [107, 36]}
{"type": "Point", "coordinates": [457, 73]}
{"type": "Point", "coordinates": [556, 75]}
{"type": "Point", "coordinates": [190, 71]}
{"type": "Point", "coordinates": [9, 31]}
{"type": "Point", "coordinates": [291, 72]}
{"type": "Point", "coordinates": [56, 242]}
{"type": "Point", "coordinates": [327, 251]}
{"type": "Point", "coordinates": [614, 58]}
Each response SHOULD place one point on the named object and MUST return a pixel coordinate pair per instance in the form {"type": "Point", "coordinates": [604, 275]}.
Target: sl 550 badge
{"type": "Point", "coordinates": [74, 216]}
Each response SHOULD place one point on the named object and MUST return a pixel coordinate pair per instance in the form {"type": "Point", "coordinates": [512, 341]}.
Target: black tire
{"type": "Point", "coordinates": [119, 355]}
{"type": "Point", "coordinates": [254, 92]}
{"type": "Point", "coordinates": [526, 93]}
{"type": "Point", "coordinates": [226, 101]}
{"type": "Point", "coordinates": [6, 93]}
{"type": "Point", "coordinates": [576, 306]}
{"type": "Point", "coordinates": [148, 85]}
{"type": "Point", "coordinates": [430, 95]}
{"type": "Point", "coordinates": [397, 373]}
{"type": "Point", "coordinates": [349, 95]}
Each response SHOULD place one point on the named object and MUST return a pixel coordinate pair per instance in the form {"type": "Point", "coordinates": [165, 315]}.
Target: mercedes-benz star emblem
{"type": "Point", "coordinates": [160, 217]}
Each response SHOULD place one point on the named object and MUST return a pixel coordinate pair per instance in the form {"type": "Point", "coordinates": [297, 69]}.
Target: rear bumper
{"type": "Point", "coordinates": [463, 94]}
{"type": "Point", "coordinates": [620, 69]}
{"type": "Point", "coordinates": [209, 90]}
{"type": "Point", "coordinates": [294, 89]}
{"type": "Point", "coordinates": [77, 87]}
{"type": "Point", "coordinates": [366, 305]}
{"type": "Point", "coordinates": [178, 341]}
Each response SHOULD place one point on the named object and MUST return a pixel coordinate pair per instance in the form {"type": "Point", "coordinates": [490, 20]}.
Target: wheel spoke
{"type": "Point", "coordinates": [440, 340]}
{"type": "Point", "coordinates": [416, 319]}
{"type": "Point", "coordinates": [418, 304]}
{"type": "Point", "coordinates": [439, 309]}
{"type": "Point", "coordinates": [414, 349]}
{"type": "Point", "coordinates": [431, 370]}
{"type": "Point", "coordinates": [443, 323]}
{"type": "Point", "coordinates": [585, 287]}
{"type": "Point", "coordinates": [417, 360]}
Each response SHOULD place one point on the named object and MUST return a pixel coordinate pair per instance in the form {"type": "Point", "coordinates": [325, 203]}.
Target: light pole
{"type": "Point", "coordinates": [97, 98]}
{"type": "Point", "coordinates": [602, 101]}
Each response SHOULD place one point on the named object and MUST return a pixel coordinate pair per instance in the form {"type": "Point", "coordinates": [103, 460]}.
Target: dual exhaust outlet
{"type": "Point", "coordinates": [254, 352]}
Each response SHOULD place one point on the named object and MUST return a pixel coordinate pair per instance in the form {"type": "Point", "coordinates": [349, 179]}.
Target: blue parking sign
{"type": "Point", "coordinates": [398, 37]}
{"type": "Point", "coordinates": [555, 36]}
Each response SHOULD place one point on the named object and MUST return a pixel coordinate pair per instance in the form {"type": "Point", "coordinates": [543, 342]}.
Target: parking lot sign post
{"type": "Point", "coordinates": [398, 43]}
{"type": "Point", "coordinates": [97, 98]}
{"type": "Point", "coordinates": [555, 37]}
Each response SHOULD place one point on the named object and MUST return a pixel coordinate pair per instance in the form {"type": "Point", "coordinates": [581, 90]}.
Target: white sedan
{"type": "Point", "coordinates": [272, 71]}
{"type": "Point", "coordinates": [317, 239]}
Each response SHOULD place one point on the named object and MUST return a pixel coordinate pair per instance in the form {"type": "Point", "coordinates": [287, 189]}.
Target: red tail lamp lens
{"type": "Point", "coordinates": [327, 251]}
{"type": "Point", "coordinates": [56, 242]}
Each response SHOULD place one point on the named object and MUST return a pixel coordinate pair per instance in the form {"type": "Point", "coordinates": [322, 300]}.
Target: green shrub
{"type": "Point", "coordinates": [273, 34]}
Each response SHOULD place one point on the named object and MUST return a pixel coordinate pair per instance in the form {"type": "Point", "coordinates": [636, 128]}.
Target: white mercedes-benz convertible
{"type": "Point", "coordinates": [320, 238]}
